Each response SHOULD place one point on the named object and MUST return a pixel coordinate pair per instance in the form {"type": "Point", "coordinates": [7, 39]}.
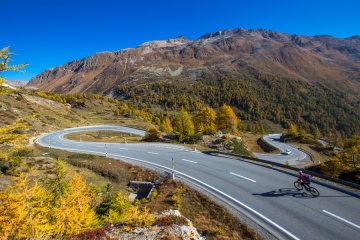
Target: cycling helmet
{"type": "Point", "coordinates": [300, 172]}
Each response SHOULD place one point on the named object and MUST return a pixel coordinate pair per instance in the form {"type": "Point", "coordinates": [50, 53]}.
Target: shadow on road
{"type": "Point", "coordinates": [285, 192]}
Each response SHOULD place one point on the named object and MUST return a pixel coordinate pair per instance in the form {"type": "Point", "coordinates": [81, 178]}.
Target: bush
{"type": "Point", "coordinates": [176, 200]}
{"type": "Point", "coordinates": [153, 195]}
{"type": "Point", "coordinates": [152, 134]}
{"type": "Point", "coordinates": [92, 234]}
{"type": "Point", "coordinates": [15, 161]}
{"type": "Point", "coordinates": [23, 152]}
{"type": "Point", "coordinates": [170, 220]}
{"type": "Point", "coordinates": [81, 156]}
{"type": "Point", "coordinates": [194, 138]}
{"type": "Point", "coordinates": [265, 146]}
{"type": "Point", "coordinates": [239, 147]}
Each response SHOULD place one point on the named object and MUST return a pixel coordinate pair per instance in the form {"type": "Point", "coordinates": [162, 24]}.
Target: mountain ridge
{"type": "Point", "coordinates": [324, 60]}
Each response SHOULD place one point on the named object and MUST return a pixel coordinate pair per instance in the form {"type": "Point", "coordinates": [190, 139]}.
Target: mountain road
{"type": "Point", "coordinates": [264, 194]}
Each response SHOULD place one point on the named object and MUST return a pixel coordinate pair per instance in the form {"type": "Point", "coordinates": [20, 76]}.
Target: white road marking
{"type": "Point", "coordinates": [352, 224]}
{"type": "Point", "coordinates": [188, 160]}
{"type": "Point", "coordinates": [152, 153]}
{"type": "Point", "coordinates": [169, 169]}
{"type": "Point", "coordinates": [217, 190]}
{"type": "Point", "coordinates": [243, 177]}
{"type": "Point", "coordinates": [124, 148]}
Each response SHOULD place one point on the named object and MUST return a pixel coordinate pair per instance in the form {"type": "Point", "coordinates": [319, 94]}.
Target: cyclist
{"type": "Point", "coordinates": [303, 179]}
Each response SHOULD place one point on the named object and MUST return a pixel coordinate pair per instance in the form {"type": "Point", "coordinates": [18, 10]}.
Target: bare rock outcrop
{"type": "Point", "coordinates": [184, 230]}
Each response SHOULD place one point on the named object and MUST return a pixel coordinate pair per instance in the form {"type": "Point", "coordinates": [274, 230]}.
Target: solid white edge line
{"type": "Point", "coordinates": [243, 177]}
{"type": "Point", "coordinates": [342, 219]}
{"type": "Point", "coordinates": [233, 199]}
{"type": "Point", "coordinates": [188, 160]}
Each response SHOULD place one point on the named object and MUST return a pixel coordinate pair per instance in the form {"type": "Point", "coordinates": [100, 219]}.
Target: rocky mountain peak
{"type": "Point", "coordinates": [181, 37]}
{"type": "Point", "coordinates": [181, 40]}
{"type": "Point", "coordinates": [236, 52]}
{"type": "Point", "coordinates": [218, 34]}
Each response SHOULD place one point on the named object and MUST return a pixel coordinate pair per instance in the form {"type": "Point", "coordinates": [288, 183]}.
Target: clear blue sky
{"type": "Point", "coordinates": [49, 33]}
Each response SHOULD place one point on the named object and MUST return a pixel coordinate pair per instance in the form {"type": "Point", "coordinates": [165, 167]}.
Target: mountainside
{"type": "Point", "coordinates": [15, 83]}
{"type": "Point", "coordinates": [239, 53]}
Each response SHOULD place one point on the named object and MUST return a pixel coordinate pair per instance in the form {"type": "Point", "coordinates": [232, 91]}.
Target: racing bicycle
{"type": "Point", "coordinates": [299, 186]}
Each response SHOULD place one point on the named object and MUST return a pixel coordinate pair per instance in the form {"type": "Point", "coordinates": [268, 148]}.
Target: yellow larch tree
{"type": "Point", "coordinates": [292, 130]}
{"type": "Point", "coordinates": [10, 214]}
{"type": "Point", "coordinates": [227, 120]}
{"type": "Point", "coordinates": [25, 211]}
{"type": "Point", "coordinates": [139, 218]}
{"type": "Point", "coordinates": [118, 211]}
{"type": "Point", "coordinates": [205, 121]}
{"type": "Point", "coordinates": [351, 156]}
{"type": "Point", "coordinates": [5, 55]}
{"type": "Point", "coordinates": [184, 124]}
{"type": "Point", "coordinates": [167, 126]}
{"type": "Point", "coordinates": [72, 212]}
{"type": "Point", "coordinates": [152, 134]}
{"type": "Point", "coordinates": [334, 167]}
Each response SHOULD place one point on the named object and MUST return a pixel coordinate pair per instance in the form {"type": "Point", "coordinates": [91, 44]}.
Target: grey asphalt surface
{"type": "Point", "coordinates": [266, 192]}
{"type": "Point", "coordinates": [293, 158]}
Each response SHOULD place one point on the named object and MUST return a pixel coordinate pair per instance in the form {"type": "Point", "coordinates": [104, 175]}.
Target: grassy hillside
{"type": "Point", "coordinates": [25, 116]}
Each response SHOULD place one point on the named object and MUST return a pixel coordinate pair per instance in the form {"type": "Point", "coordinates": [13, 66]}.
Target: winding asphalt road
{"type": "Point", "coordinates": [293, 158]}
{"type": "Point", "coordinates": [264, 194]}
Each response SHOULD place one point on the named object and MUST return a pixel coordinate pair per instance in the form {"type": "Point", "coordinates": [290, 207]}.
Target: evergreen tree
{"type": "Point", "coordinates": [302, 134]}
{"type": "Point", "coordinates": [57, 185]}
{"type": "Point", "coordinates": [107, 200]}
{"type": "Point", "coordinates": [316, 133]}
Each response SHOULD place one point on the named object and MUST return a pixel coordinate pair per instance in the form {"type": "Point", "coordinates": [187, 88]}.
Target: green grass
{"type": "Point", "coordinates": [103, 136]}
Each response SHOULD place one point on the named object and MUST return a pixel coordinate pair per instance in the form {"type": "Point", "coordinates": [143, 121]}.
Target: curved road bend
{"type": "Point", "coordinates": [274, 139]}
{"type": "Point", "coordinates": [270, 193]}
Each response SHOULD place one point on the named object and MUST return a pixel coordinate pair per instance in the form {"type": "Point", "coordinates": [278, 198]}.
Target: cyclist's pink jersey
{"type": "Point", "coordinates": [303, 178]}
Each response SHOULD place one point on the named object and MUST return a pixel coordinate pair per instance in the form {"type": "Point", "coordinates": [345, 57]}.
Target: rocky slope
{"type": "Point", "coordinates": [322, 60]}
{"type": "Point", "coordinates": [184, 230]}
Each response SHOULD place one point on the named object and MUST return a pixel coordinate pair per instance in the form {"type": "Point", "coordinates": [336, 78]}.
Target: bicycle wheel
{"type": "Point", "coordinates": [298, 186]}
{"type": "Point", "coordinates": [314, 192]}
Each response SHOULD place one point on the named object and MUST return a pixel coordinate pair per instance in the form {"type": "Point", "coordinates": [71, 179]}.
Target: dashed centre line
{"type": "Point", "coordinates": [342, 219]}
{"type": "Point", "coordinates": [243, 177]}
{"type": "Point", "coordinates": [188, 160]}
{"type": "Point", "coordinates": [153, 153]}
